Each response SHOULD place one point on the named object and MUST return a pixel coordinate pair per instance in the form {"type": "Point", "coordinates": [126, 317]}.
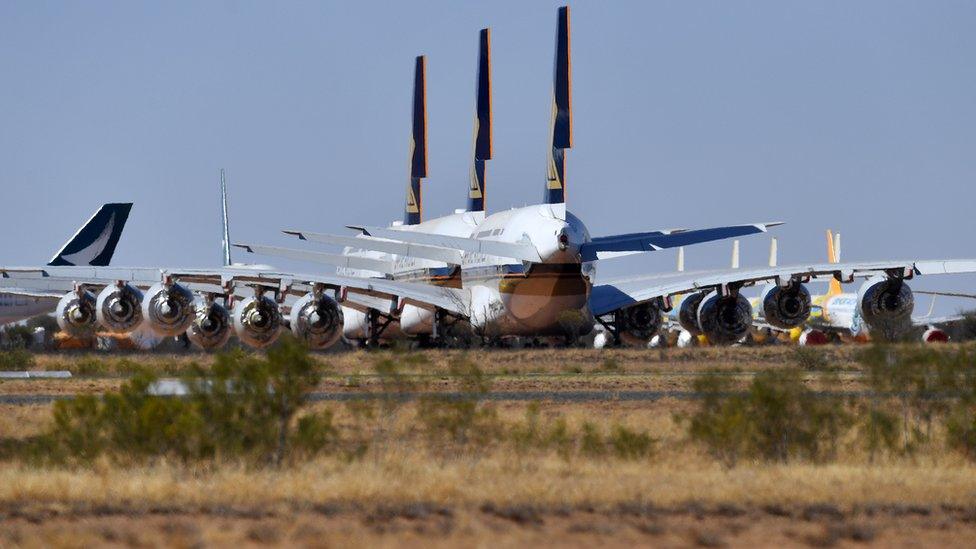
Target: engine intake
{"type": "Point", "coordinates": [638, 324]}
{"type": "Point", "coordinates": [211, 326]}
{"type": "Point", "coordinates": [76, 313]}
{"type": "Point", "coordinates": [119, 308]}
{"type": "Point", "coordinates": [788, 307]}
{"type": "Point", "coordinates": [257, 321]}
{"type": "Point", "coordinates": [885, 303]}
{"type": "Point", "coordinates": [168, 308]}
{"type": "Point", "coordinates": [724, 319]}
{"type": "Point", "coordinates": [316, 320]}
{"type": "Point", "coordinates": [688, 313]}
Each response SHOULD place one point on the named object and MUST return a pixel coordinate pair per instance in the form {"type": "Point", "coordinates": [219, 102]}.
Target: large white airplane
{"type": "Point", "coordinates": [521, 270]}
{"type": "Point", "coordinates": [93, 244]}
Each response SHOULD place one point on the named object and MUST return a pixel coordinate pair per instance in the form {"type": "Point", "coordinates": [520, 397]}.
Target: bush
{"type": "Point", "coordinates": [16, 359]}
{"type": "Point", "coordinates": [244, 410]}
{"type": "Point", "coordinates": [628, 444]}
{"type": "Point", "coordinates": [462, 418]}
{"type": "Point", "coordinates": [776, 419]}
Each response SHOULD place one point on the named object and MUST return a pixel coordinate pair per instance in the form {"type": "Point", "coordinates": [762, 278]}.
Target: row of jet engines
{"type": "Point", "coordinates": [727, 319]}
{"type": "Point", "coordinates": [171, 310]}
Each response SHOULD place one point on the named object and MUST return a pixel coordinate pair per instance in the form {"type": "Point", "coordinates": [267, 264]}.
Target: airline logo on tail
{"type": "Point", "coordinates": [94, 244]}
{"type": "Point", "coordinates": [413, 213]}
{"type": "Point", "coordinates": [562, 120]}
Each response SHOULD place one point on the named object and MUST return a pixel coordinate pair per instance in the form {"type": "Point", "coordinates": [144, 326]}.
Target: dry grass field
{"type": "Point", "coordinates": [407, 488]}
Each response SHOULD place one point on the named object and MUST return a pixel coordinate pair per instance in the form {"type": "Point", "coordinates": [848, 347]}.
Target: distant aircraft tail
{"type": "Point", "coordinates": [224, 223]}
{"type": "Point", "coordinates": [562, 122]}
{"type": "Point", "coordinates": [94, 243]}
{"type": "Point", "coordinates": [833, 256]}
{"type": "Point", "coordinates": [414, 212]}
{"type": "Point", "coordinates": [482, 125]}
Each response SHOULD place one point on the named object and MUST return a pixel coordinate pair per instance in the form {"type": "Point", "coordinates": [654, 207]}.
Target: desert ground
{"type": "Point", "coordinates": [612, 463]}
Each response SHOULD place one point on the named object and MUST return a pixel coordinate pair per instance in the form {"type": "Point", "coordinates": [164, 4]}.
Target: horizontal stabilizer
{"type": "Point", "coordinates": [598, 248]}
{"type": "Point", "coordinates": [522, 252]}
{"type": "Point", "coordinates": [339, 260]}
{"type": "Point", "coordinates": [433, 253]}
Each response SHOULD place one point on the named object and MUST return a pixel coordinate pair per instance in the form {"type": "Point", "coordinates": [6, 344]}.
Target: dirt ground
{"type": "Point", "coordinates": [429, 525]}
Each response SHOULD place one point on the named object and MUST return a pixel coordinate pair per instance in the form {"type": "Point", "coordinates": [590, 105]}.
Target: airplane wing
{"type": "Point", "coordinates": [235, 280]}
{"type": "Point", "coordinates": [617, 294]}
{"type": "Point", "coordinates": [434, 253]}
{"type": "Point", "coordinates": [338, 260]}
{"type": "Point", "coordinates": [613, 246]}
{"type": "Point", "coordinates": [522, 252]}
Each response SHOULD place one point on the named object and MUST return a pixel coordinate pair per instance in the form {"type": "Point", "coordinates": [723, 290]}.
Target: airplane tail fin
{"type": "Point", "coordinates": [773, 252]}
{"type": "Point", "coordinates": [482, 125]}
{"type": "Point", "coordinates": [414, 211]}
{"type": "Point", "coordinates": [735, 254]}
{"type": "Point", "coordinates": [224, 222]}
{"type": "Point", "coordinates": [562, 121]}
{"type": "Point", "coordinates": [94, 243]}
{"type": "Point", "coordinates": [833, 256]}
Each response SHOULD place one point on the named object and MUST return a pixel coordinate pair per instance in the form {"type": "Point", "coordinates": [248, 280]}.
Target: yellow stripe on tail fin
{"type": "Point", "coordinates": [834, 288]}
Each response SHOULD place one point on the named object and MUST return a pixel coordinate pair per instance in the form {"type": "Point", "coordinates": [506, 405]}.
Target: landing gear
{"type": "Point", "coordinates": [376, 324]}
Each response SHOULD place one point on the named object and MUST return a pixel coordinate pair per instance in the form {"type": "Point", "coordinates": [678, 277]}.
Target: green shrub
{"type": "Point", "coordinates": [628, 444]}
{"type": "Point", "coordinates": [592, 442]}
{"type": "Point", "coordinates": [16, 359]}
{"type": "Point", "coordinates": [776, 419]}
{"type": "Point", "coordinates": [461, 418]}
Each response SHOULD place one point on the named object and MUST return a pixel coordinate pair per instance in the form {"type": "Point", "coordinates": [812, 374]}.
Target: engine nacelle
{"type": "Point", "coordinates": [316, 320]}
{"type": "Point", "coordinates": [724, 319]}
{"type": "Point", "coordinates": [257, 321]}
{"type": "Point", "coordinates": [168, 308]}
{"type": "Point", "coordinates": [211, 326]}
{"type": "Point", "coordinates": [688, 313]}
{"type": "Point", "coordinates": [934, 335]}
{"type": "Point", "coordinates": [885, 302]}
{"type": "Point", "coordinates": [786, 308]}
{"type": "Point", "coordinates": [638, 324]}
{"type": "Point", "coordinates": [812, 337]}
{"type": "Point", "coordinates": [76, 313]}
{"type": "Point", "coordinates": [119, 308]}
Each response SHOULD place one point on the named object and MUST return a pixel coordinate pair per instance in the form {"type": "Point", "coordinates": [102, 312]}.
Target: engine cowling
{"type": "Point", "coordinates": [76, 314]}
{"type": "Point", "coordinates": [812, 337]}
{"type": "Point", "coordinates": [638, 324]}
{"type": "Point", "coordinates": [119, 308]}
{"type": "Point", "coordinates": [257, 321]}
{"type": "Point", "coordinates": [725, 319]}
{"type": "Point", "coordinates": [885, 302]}
{"type": "Point", "coordinates": [934, 335]}
{"type": "Point", "coordinates": [787, 307]}
{"type": "Point", "coordinates": [211, 326]}
{"type": "Point", "coordinates": [688, 313]}
{"type": "Point", "coordinates": [316, 320]}
{"type": "Point", "coordinates": [168, 308]}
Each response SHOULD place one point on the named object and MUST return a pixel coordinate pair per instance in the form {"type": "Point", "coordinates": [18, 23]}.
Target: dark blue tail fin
{"type": "Point", "coordinates": [482, 125]}
{"type": "Point", "coordinates": [418, 146]}
{"type": "Point", "coordinates": [94, 244]}
{"type": "Point", "coordinates": [562, 120]}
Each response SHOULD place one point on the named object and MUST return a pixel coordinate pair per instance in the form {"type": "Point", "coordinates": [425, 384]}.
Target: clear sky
{"type": "Point", "coordinates": [858, 116]}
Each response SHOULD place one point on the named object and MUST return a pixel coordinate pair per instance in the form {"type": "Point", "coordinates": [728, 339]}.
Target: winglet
{"type": "Point", "coordinates": [414, 210]}
{"type": "Point", "coordinates": [482, 125]}
{"type": "Point", "coordinates": [299, 234]}
{"type": "Point", "coordinates": [562, 113]}
{"type": "Point", "coordinates": [94, 243]}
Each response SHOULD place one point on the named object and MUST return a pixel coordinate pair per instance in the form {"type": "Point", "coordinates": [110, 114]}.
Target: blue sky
{"type": "Point", "coordinates": [856, 116]}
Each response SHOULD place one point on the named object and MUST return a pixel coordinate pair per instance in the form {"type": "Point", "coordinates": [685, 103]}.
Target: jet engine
{"type": "Point", "coordinates": [119, 308]}
{"type": "Point", "coordinates": [76, 313]}
{"type": "Point", "coordinates": [257, 321]}
{"type": "Point", "coordinates": [787, 307]}
{"type": "Point", "coordinates": [638, 324]}
{"type": "Point", "coordinates": [168, 308]}
{"type": "Point", "coordinates": [688, 313]}
{"type": "Point", "coordinates": [934, 335]}
{"type": "Point", "coordinates": [211, 326]}
{"type": "Point", "coordinates": [724, 319]}
{"type": "Point", "coordinates": [885, 302]}
{"type": "Point", "coordinates": [316, 320]}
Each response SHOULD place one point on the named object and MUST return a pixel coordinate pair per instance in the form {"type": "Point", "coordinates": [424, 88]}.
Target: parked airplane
{"type": "Point", "coordinates": [93, 244]}
{"type": "Point", "coordinates": [521, 271]}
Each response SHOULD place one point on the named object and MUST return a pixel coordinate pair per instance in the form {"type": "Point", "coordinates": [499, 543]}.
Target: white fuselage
{"type": "Point", "coordinates": [508, 297]}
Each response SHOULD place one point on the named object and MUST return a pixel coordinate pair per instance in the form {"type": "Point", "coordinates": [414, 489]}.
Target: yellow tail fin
{"type": "Point", "coordinates": [834, 287]}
